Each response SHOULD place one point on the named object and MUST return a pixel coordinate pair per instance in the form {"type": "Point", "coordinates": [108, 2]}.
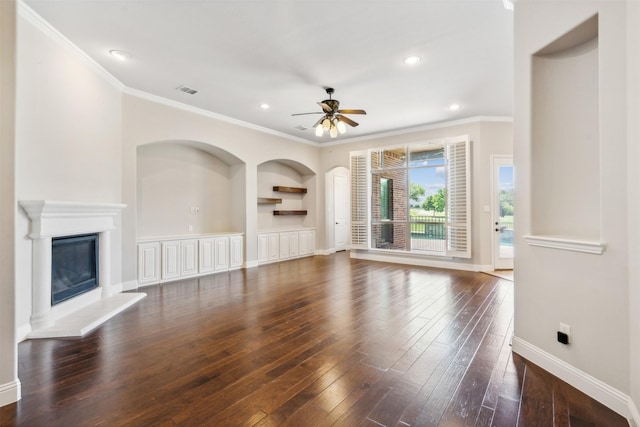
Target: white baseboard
{"type": "Point", "coordinates": [131, 285]}
{"type": "Point", "coordinates": [609, 396]}
{"type": "Point", "coordinates": [325, 251]}
{"type": "Point", "coordinates": [404, 258]}
{"type": "Point", "coordinates": [10, 392]}
{"type": "Point", "coordinates": [251, 264]}
{"type": "Point", "coordinates": [22, 332]}
{"type": "Point", "coordinates": [117, 288]}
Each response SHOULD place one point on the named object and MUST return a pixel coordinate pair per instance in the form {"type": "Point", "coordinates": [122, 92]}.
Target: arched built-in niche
{"type": "Point", "coordinates": [187, 187]}
{"type": "Point", "coordinates": [301, 205]}
{"type": "Point", "coordinates": [565, 151]}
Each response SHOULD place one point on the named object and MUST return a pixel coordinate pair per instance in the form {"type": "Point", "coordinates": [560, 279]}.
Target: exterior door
{"type": "Point", "coordinates": [340, 193]}
{"type": "Point", "coordinates": [502, 212]}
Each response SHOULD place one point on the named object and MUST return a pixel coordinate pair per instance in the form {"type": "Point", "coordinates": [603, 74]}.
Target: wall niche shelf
{"type": "Point", "coordinates": [289, 189]}
{"type": "Point", "coordinates": [279, 213]}
{"type": "Point", "coordinates": [268, 201]}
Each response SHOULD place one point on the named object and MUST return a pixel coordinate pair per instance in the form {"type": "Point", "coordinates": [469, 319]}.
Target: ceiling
{"type": "Point", "coordinates": [239, 54]}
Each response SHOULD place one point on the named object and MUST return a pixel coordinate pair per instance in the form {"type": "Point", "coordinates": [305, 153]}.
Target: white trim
{"type": "Point", "coordinates": [566, 243]}
{"type": "Point", "coordinates": [609, 396]}
{"type": "Point", "coordinates": [405, 258]}
{"type": "Point", "coordinates": [325, 251]}
{"type": "Point", "coordinates": [206, 113]}
{"type": "Point", "coordinates": [251, 264]}
{"type": "Point", "coordinates": [26, 12]}
{"type": "Point", "coordinates": [131, 285]}
{"type": "Point", "coordinates": [10, 392]}
{"type": "Point", "coordinates": [22, 332]}
{"type": "Point", "coordinates": [421, 128]}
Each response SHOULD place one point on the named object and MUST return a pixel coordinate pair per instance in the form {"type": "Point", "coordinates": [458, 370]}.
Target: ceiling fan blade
{"type": "Point", "coordinates": [318, 122]}
{"type": "Point", "coordinates": [325, 107]}
{"type": "Point", "coordinates": [347, 120]}
{"type": "Point", "coordinates": [304, 114]}
{"type": "Point", "coordinates": [352, 111]}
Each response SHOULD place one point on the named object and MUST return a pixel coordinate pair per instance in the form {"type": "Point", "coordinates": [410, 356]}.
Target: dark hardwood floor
{"type": "Point", "coordinates": [316, 341]}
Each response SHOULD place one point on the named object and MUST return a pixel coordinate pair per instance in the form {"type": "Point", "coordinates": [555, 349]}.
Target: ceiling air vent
{"type": "Point", "coordinates": [186, 89]}
{"type": "Point", "coordinates": [300, 127]}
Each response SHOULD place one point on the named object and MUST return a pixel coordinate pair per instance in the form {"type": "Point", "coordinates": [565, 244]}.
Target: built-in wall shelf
{"type": "Point", "coordinates": [268, 201]}
{"type": "Point", "coordinates": [289, 212]}
{"type": "Point", "coordinates": [289, 189]}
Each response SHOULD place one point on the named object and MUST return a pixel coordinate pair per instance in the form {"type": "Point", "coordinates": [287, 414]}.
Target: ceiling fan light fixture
{"type": "Point", "coordinates": [326, 124]}
{"type": "Point", "coordinates": [333, 132]}
{"type": "Point", "coordinates": [319, 130]}
{"type": "Point", "coordinates": [342, 128]}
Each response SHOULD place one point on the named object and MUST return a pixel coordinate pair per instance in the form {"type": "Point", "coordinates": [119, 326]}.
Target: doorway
{"type": "Point", "coordinates": [502, 212]}
{"type": "Point", "coordinates": [337, 185]}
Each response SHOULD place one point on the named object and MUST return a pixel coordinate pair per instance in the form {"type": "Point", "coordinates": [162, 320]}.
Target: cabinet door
{"type": "Point", "coordinates": [263, 248]}
{"type": "Point", "coordinates": [148, 263]}
{"type": "Point", "coordinates": [206, 251]}
{"type": "Point", "coordinates": [222, 253]}
{"type": "Point", "coordinates": [170, 259]}
{"type": "Point", "coordinates": [274, 246]}
{"type": "Point", "coordinates": [235, 252]}
{"type": "Point", "coordinates": [293, 244]}
{"type": "Point", "coordinates": [189, 262]}
{"type": "Point", "coordinates": [284, 245]}
{"type": "Point", "coordinates": [307, 242]}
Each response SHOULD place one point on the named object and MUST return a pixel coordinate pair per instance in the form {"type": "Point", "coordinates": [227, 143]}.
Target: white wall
{"type": "Point", "coordinates": [9, 383]}
{"type": "Point", "coordinates": [173, 178]}
{"type": "Point", "coordinates": [68, 132]}
{"type": "Point", "coordinates": [633, 177]}
{"type": "Point", "coordinates": [588, 292]}
{"type": "Point", "coordinates": [487, 138]}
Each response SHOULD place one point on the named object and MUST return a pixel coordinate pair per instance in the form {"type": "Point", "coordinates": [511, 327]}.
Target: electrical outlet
{"type": "Point", "coordinates": [566, 331]}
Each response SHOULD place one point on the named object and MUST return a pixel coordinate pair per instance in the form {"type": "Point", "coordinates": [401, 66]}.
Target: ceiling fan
{"type": "Point", "coordinates": [333, 119]}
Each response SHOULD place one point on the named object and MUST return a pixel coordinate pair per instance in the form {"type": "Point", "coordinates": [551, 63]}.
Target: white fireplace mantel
{"type": "Point", "coordinates": [77, 316]}
{"type": "Point", "coordinates": [52, 218]}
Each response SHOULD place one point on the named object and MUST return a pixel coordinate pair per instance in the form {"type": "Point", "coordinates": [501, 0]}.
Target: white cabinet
{"type": "Point", "coordinates": [236, 257]}
{"type": "Point", "coordinates": [148, 263]}
{"type": "Point", "coordinates": [189, 257]}
{"type": "Point", "coordinates": [164, 260]}
{"type": "Point", "coordinates": [289, 245]}
{"type": "Point", "coordinates": [207, 252]}
{"type": "Point", "coordinates": [307, 241]}
{"type": "Point", "coordinates": [286, 244]}
{"type": "Point", "coordinates": [222, 253]}
{"type": "Point", "coordinates": [170, 259]}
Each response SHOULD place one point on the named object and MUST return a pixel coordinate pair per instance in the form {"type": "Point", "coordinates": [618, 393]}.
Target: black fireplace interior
{"type": "Point", "coordinates": [74, 266]}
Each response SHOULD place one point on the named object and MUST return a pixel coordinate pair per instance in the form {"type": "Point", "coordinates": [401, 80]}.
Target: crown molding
{"type": "Point", "coordinates": [206, 113]}
{"type": "Point", "coordinates": [24, 11]}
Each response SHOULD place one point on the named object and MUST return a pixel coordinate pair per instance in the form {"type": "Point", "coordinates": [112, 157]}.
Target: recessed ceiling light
{"type": "Point", "coordinates": [264, 106]}
{"type": "Point", "coordinates": [454, 107]}
{"type": "Point", "coordinates": [411, 60]}
{"type": "Point", "coordinates": [120, 54]}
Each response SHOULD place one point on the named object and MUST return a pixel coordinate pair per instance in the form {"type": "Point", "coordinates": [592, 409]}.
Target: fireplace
{"type": "Point", "coordinates": [71, 291]}
{"type": "Point", "coordinates": [74, 266]}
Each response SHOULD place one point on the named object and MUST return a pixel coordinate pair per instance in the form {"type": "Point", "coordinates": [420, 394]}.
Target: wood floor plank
{"type": "Point", "coordinates": [325, 340]}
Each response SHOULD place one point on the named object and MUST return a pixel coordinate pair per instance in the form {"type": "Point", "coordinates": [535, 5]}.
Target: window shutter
{"type": "Point", "coordinates": [359, 206]}
{"type": "Point", "coordinates": [458, 196]}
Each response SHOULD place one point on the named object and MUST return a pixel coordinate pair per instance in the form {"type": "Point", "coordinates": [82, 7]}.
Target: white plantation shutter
{"type": "Point", "coordinates": [458, 196]}
{"type": "Point", "coordinates": [359, 197]}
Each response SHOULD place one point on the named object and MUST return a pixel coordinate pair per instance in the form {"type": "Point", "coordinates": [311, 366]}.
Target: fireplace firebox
{"type": "Point", "coordinates": [74, 266]}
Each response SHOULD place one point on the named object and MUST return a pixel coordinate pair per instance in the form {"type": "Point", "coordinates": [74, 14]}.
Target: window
{"type": "Point", "coordinates": [413, 198]}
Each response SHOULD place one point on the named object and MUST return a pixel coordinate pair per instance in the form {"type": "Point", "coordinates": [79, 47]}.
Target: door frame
{"type": "Point", "coordinates": [496, 160]}
{"type": "Point", "coordinates": [330, 200]}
